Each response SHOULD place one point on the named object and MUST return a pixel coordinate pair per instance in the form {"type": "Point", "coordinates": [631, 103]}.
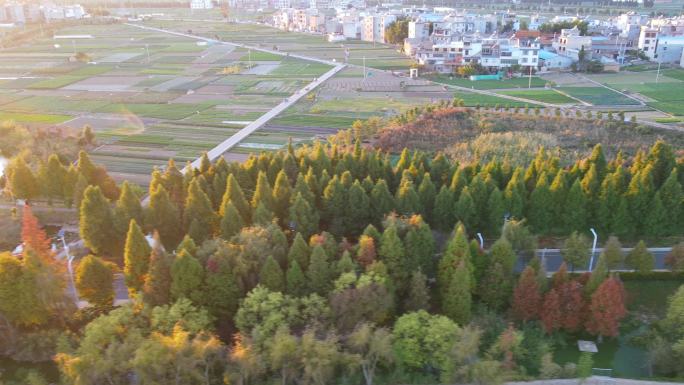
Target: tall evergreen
{"type": "Point", "coordinates": [495, 212]}
{"type": "Point", "coordinates": [574, 209]}
{"type": "Point", "coordinates": [303, 217]}
{"type": "Point", "coordinates": [127, 207]}
{"type": "Point", "coordinates": [263, 193]}
{"type": "Point", "coordinates": [540, 212]}
{"type": "Point", "coordinates": [136, 258]}
{"type": "Point", "coordinates": [393, 255]}
{"type": "Point", "coordinates": [235, 196]}
{"type": "Point", "coordinates": [443, 216]}
{"type": "Point", "coordinates": [672, 199]}
{"type": "Point", "coordinates": [420, 246]}
{"type": "Point", "coordinates": [407, 199]}
{"type": "Point", "coordinates": [95, 222]}
{"type": "Point", "coordinates": [282, 194]}
{"type": "Point", "coordinates": [466, 211]}
{"type": "Point", "coordinates": [457, 302]}
{"type": "Point", "coordinates": [187, 276]}
{"type": "Point", "coordinates": [358, 209]}
{"type": "Point", "coordinates": [335, 205]}
{"type": "Point", "coordinates": [382, 202]}
{"type": "Point", "coordinates": [163, 216]}
{"type": "Point", "coordinates": [319, 272]}
{"type": "Point", "coordinates": [231, 221]}
{"type": "Point", "coordinates": [271, 275]}
{"type": "Point", "coordinates": [457, 251]}
{"type": "Point", "coordinates": [656, 221]}
{"type": "Point", "coordinates": [157, 287]}
{"type": "Point", "coordinates": [295, 280]}
{"type": "Point", "coordinates": [427, 193]}
{"type": "Point", "coordinates": [299, 252]}
{"type": "Point", "coordinates": [198, 208]}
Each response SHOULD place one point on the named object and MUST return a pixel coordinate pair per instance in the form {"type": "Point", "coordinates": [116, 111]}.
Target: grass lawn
{"type": "Point", "coordinates": [33, 118]}
{"type": "Point", "coordinates": [674, 108]}
{"type": "Point", "coordinates": [598, 96]}
{"type": "Point", "coordinates": [58, 82]}
{"type": "Point", "coordinates": [548, 96]}
{"type": "Point", "coordinates": [650, 296]}
{"type": "Point", "coordinates": [489, 84]}
{"type": "Point", "coordinates": [51, 104]}
{"type": "Point", "coordinates": [674, 73]}
{"type": "Point", "coordinates": [91, 70]}
{"type": "Point", "coordinates": [668, 120]}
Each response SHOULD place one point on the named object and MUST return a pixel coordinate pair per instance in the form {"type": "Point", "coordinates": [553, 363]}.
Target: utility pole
{"type": "Point", "coordinates": [529, 79]}
{"type": "Point", "coordinates": [658, 73]}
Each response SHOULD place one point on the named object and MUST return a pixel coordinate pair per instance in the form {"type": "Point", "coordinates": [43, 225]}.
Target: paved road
{"type": "Point", "coordinates": [553, 259]}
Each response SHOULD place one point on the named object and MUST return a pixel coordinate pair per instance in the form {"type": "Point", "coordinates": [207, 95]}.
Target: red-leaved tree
{"type": "Point", "coordinates": [607, 308]}
{"type": "Point", "coordinates": [550, 314]}
{"type": "Point", "coordinates": [526, 297]}
{"type": "Point", "coordinates": [572, 306]}
{"type": "Point", "coordinates": [33, 235]}
{"type": "Point", "coordinates": [560, 277]}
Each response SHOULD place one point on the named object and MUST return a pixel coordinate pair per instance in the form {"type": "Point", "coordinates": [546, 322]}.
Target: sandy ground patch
{"type": "Point", "coordinates": [564, 79]}
{"type": "Point", "coordinates": [213, 89]}
{"type": "Point", "coordinates": [106, 83]}
{"type": "Point", "coordinates": [233, 157]}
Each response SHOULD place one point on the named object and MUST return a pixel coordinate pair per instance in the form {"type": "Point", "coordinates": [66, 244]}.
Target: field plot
{"type": "Point", "coordinates": [148, 96]}
{"type": "Point", "coordinates": [598, 96]}
{"type": "Point", "coordinates": [548, 96]}
{"type": "Point", "coordinates": [489, 84]}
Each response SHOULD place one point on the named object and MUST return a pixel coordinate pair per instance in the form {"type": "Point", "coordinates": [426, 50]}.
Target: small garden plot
{"type": "Point", "coordinates": [172, 83]}
{"type": "Point", "coordinates": [193, 84]}
{"type": "Point", "coordinates": [153, 81]}
{"type": "Point", "coordinates": [662, 92]}
{"type": "Point", "coordinates": [384, 63]}
{"type": "Point", "coordinates": [174, 111]}
{"type": "Point", "coordinates": [489, 84]}
{"type": "Point", "coordinates": [6, 98]}
{"type": "Point", "coordinates": [91, 70]}
{"type": "Point", "coordinates": [598, 96]}
{"type": "Point", "coordinates": [261, 56]}
{"type": "Point", "coordinates": [263, 68]}
{"type": "Point", "coordinates": [300, 68]}
{"type": "Point", "coordinates": [474, 100]}
{"type": "Point", "coordinates": [106, 83]}
{"type": "Point", "coordinates": [57, 82]}
{"type": "Point", "coordinates": [33, 118]}
{"type": "Point", "coordinates": [217, 116]}
{"type": "Point", "coordinates": [50, 104]}
{"type": "Point", "coordinates": [176, 59]}
{"type": "Point", "coordinates": [306, 120]}
{"type": "Point", "coordinates": [547, 96]}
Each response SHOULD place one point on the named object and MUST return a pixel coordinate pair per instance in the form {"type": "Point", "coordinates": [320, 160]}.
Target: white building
{"type": "Point", "coordinates": [418, 30]}
{"type": "Point", "coordinates": [373, 27]}
{"type": "Point", "coordinates": [570, 43]}
{"type": "Point", "coordinates": [201, 4]}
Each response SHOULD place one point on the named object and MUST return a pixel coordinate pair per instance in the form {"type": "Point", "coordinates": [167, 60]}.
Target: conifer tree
{"type": "Point", "coordinates": [495, 287]}
{"type": "Point", "coordinates": [187, 276]}
{"type": "Point", "coordinates": [656, 221]}
{"type": "Point", "coordinates": [262, 215]}
{"type": "Point", "coordinates": [53, 178]}
{"type": "Point", "coordinates": [495, 212]}
{"type": "Point", "coordinates": [598, 275]}
{"type": "Point", "coordinates": [527, 298]}
{"type": "Point", "coordinates": [443, 216]}
{"type": "Point", "coordinates": [407, 199]}
{"type": "Point", "coordinates": [95, 223]}
{"type": "Point", "coordinates": [335, 205]}
{"type": "Point", "coordinates": [576, 251]}
{"type": "Point", "coordinates": [235, 196]}
{"type": "Point", "coordinates": [319, 272]}
{"type": "Point", "coordinates": [282, 194]}
{"type": "Point", "coordinates": [551, 315]}
{"type": "Point", "coordinates": [612, 253]}
{"type": "Point", "coordinates": [157, 287]}
{"type": "Point", "coordinates": [457, 251]}
{"type": "Point", "coordinates": [303, 216]}
{"type": "Point", "coordinates": [559, 191]}
{"type": "Point", "coordinates": [574, 209]}
{"type": "Point", "coordinates": [358, 209]}
{"type": "Point", "coordinates": [420, 246]}
{"type": "Point", "coordinates": [263, 193]}
{"type": "Point", "coordinates": [271, 275]}
{"type": "Point", "coordinates": [515, 194]}
{"type": "Point", "coordinates": [163, 216]}
{"type": "Point", "coordinates": [607, 308]}
{"type": "Point", "coordinates": [427, 193]}
{"type": "Point", "coordinates": [382, 202]}
{"type": "Point", "coordinates": [457, 302]}
{"type": "Point", "coordinates": [299, 252]}
{"type": "Point", "coordinates": [640, 259]}
{"type": "Point", "coordinates": [466, 212]}
{"type": "Point", "coordinates": [127, 208]}
{"type": "Point", "coordinates": [94, 281]}
{"type": "Point", "coordinates": [458, 182]}
{"type": "Point", "coordinates": [672, 199]}
{"type": "Point", "coordinates": [295, 280]}
{"type": "Point", "coordinates": [540, 214]}
{"type": "Point", "coordinates": [418, 293]}
{"type": "Point", "coordinates": [231, 221]}
{"type": "Point", "coordinates": [198, 208]}
{"type": "Point", "coordinates": [393, 255]}
{"type": "Point", "coordinates": [366, 253]}
{"type": "Point", "coordinates": [221, 292]}
{"type": "Point", "coordinates": [136, 257]}
{"type": "Point", "coordinates": [301, 187]}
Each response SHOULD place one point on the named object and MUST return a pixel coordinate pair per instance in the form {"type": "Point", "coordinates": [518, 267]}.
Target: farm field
{"type": "Point", "coordinates": [598, 96]}
{"type": "Point", "coordinates": [545, 95]}
{"type": "Point", "coordinates": [148, 96]}
{"type": "Point", "coordinates": [489, 84]}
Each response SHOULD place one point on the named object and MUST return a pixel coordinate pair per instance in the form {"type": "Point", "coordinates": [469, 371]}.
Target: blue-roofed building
{"type": "Point", "coordinates": [552, 61]}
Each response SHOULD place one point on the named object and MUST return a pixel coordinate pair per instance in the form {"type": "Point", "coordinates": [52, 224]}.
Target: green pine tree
{"type": "Point", "coordinates": [231, 222]}
{"type": "Point", "coordinates": [640, 259]}
{"type": "Point", "coordinates": [393, 255]}
{"type": "Point", "coordinates": [198, 208]}
{"type": "Point", "coordinates": [457, 302]}
{"type": "Point", "coordinates": [282, 194]}
{"type": "Point", "coordinates": [296, 281]}
{"type": "Point", "coordinates": [574, 209]}
{"type": "Point", "coordinates": [163, 216]}
{"type": "Point", "coordinates": [299, 252]}
{"type": "Point", "coordinates": [95, 222]}
{"type": "Point", "coordinates": [271, 275]}
{"type": "Point", "coordinates": [187, 276]}
{"type": "Point", "coordinates": [466, 212]}
{"type": "Point", "coordinates": [443, 217]}
{"type": "Point", "coordinates": [136, 258]}
{"type": "Point", "coordinates": [319, 272]}
{"type": "Point", "coordinates": [235, 196]}
{"type": "Point", "coordinates": [303, 217]}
